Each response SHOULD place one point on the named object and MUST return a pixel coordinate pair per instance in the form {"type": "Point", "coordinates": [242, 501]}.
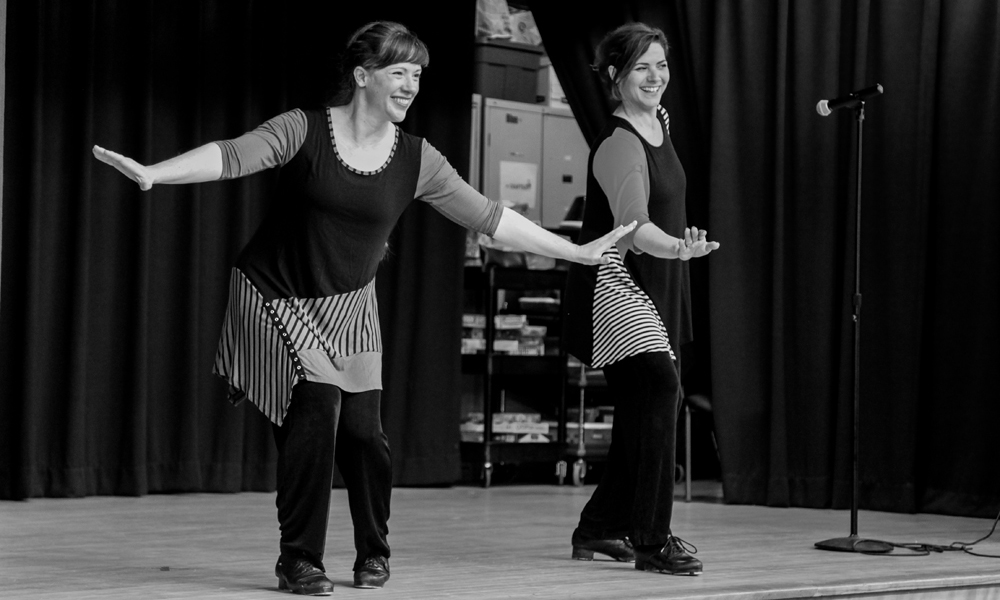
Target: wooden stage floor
{"type": "Point", "coordinates": [469, 542]}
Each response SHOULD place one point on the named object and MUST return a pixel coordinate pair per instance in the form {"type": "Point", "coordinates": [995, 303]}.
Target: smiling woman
{"type": "Point", "coordinates": [616, 313]}
{"type": "Point", "coordinates": [640, 88]}
{"type": "Point", "coordinates": [301, 338]}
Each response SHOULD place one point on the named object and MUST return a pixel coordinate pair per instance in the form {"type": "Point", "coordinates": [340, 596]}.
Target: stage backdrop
{"type": "Point", "coordinates": [774, 183]}
{"type": "Point", "coordinates": [112, 299]}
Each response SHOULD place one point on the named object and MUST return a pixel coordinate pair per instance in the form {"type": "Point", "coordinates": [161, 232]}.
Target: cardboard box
{"type": "Point", "coordinates": [506, 70]}
{"type": "Point", "coordinates": [510, 321]}
{"type": "Point", "coordinates": [474, 321]}
{"type": "Point", "coordinates": [550, 91]}
{"type": "Point", "coordinates": [514, 427]}
{"type": "Point", "coordinates": [473, 345]}
{"type": "Point", "coordinates": [505, 417]}
{"type": "Point", "coordinates": [505, 346]}
{"type": "Point", "coordinates": [593, 433]}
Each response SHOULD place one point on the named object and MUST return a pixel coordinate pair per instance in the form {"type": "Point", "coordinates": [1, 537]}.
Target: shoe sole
{"type": "Point", "coordinates": [284, 586]}
{"type": "Point", "coordinates": [584, 554]}
{"type": "Point", "coordinates": [376, 585]}
{"type": "Point", "coordinates": [651, 569]}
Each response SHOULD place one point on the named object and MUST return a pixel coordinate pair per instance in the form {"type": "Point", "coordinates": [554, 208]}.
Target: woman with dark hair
{"type": "Point", "coordinates": [301, 337]}
{"type": "Point", "coordinates": [624, 315]}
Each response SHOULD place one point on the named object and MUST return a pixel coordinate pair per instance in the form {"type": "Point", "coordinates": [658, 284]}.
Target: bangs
{"type": "Point", "coordinates": [402, 47]}
{"type": "Point", "coordinates": [639, 45]}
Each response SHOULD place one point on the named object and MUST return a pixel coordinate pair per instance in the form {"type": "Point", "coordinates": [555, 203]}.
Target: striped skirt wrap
{"type": "Point", "coordinates": [626, 322]}
{"type": "Point", "coordinates": [260, 341]}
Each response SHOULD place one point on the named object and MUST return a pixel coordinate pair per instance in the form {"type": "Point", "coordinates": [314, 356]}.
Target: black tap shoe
{"type": "Point", "coordinates": [672, 559]}
{"type": "Point", "coordinates": [373, 574]}
{"type": "Point", "coordinates": [299, 576]}
{"type": "Point", "coordinates": [618, 549]}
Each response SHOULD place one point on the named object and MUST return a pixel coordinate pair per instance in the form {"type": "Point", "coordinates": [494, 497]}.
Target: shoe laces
{"type": "Point", "coordinates": [301, 568]}
{"type": "Point", "coordinates": [377, 563]}
{"type": "Point", "coordinates": [676, 544]}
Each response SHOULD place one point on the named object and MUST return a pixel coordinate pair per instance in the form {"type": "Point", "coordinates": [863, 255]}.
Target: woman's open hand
{"type": "Point", "coordinates": [593, 253]}
{"type": "Point", "coordinates": [695, 244]}
{"type": "Point", "coordinates": [128, 167]}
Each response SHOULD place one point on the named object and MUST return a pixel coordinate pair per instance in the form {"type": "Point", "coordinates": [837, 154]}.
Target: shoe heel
{"type": "Point", "coordinates": [582, 553]}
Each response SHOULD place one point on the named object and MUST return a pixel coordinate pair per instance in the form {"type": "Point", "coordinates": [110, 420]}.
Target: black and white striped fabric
{"type": "Point", "coordinates": [625, 319]}
{"type": "Point", "coordinates": [260, 342]}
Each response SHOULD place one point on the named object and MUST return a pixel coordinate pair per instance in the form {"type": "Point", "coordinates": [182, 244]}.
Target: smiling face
{"type": "Point", "coordinates": [642, 87]}
{"type": "Point", "coordinates": [391, 89]}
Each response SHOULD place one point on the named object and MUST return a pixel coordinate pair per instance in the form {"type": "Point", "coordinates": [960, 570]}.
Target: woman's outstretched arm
{"type": "Point", "coordinates": [517, 231]}
{"type": "Point", "coordinates": [204, 163]}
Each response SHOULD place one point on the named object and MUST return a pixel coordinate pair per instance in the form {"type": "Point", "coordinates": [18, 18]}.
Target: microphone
{"type": "Point", "coordinates": [825, 107]}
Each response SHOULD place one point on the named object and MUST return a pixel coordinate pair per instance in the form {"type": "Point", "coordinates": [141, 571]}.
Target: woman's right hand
{"type": "Point", "coordinates": [128, 167]}
{"type": "Point", "coordinates": [593, 253]}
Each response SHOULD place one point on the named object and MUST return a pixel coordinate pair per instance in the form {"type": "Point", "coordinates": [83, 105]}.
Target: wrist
{"type": "Point", "coordinates": [149, 175]}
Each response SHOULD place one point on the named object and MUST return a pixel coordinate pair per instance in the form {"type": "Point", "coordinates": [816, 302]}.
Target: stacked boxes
{"type": "Point", "coordinates": [507, 427]}
{"type": "Point", "coordinates": [594, 434]}
{"type": "Point", "coordinates": [508, 333]}
{"type": "Point", "coordinates": [513, 335]}
{"type": "Point", "coordinates": [473, 334]}
{"type": "Point", "coordinates": [507, 70]}
{"type": "Point", "coordinates": [598, 421]}
{"type": "Point", "coordinates": [532, 342]}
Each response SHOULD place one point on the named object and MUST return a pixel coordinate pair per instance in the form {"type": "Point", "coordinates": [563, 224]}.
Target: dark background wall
{"type": "Point", "coordinates": [111, 300]}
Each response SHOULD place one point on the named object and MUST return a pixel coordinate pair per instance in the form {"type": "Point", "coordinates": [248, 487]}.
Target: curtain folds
{"type": "Point", "coordinates": [112, 299]}
{"type": "Point", "coordinates": [774, 183]}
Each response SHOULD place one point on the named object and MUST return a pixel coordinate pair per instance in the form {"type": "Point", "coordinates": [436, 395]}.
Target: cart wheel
{"type": "Point", "coordinates": [579, 471]}
{"type": "Point", "coordinates": [561, 471]}
{"type": "Point", "coordinates": [487, 474]}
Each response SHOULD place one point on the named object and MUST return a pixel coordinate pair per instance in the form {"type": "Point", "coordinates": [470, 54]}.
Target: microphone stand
{"type": "Point", "coordinates": [853, 543]}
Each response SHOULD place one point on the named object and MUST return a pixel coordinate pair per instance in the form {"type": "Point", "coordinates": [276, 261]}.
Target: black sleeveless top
{"type": "Point", "coordinates": [327, 228]}
{"type": "Point", "coordinates": [663, 282]}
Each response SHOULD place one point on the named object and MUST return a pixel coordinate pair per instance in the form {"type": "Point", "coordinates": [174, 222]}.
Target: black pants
{"type": "Point", "coordinates": [322, 423]}
{"type": "Point", "coordinates": [636, 493]}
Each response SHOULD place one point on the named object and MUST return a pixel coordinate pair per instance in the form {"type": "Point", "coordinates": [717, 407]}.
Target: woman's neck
{"type": "Point", "coordinates": [362, 127]}
{"type": "Point", "coordinates": [644, 120]}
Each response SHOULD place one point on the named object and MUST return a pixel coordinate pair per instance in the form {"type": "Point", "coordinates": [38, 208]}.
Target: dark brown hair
{"type": "Point", "coordinates": [374, 46]}
{"type": "Point", "coordinates": [621, 49]}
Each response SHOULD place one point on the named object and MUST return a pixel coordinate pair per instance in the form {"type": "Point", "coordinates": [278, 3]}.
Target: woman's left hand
{"type": "Point", "coordinates": [695, 244]}
{"type": "Point", "coordinates": [593, 253]}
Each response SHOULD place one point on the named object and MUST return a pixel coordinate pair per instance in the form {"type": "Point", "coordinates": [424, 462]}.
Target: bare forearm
{"type": "Point", "coordinates": [516, 231]}
{"type": "Point", "coordinates": [204, 163]}
{"type": "Point", "coordinates": [652, 240]}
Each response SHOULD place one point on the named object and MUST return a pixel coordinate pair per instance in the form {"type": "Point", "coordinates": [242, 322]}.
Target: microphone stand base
{"type": "Point", "coordinates": [854, 543]}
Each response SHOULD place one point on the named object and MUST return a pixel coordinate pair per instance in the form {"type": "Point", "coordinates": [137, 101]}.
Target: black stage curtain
{"type": "Point", "coordinates": [774, 183]}
{"type": "Point", "coordinates": [112, 299]}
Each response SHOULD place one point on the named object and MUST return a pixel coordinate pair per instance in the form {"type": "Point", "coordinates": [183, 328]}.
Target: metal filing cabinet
{"type": "Point", "coordinates": [476, 142]}
{"type": "Point", "coordinates": [564, 164]}
{"type": "Point", "coordinates": [534, 157]}
{"type": "Point", "coordinates": [512, 155]}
